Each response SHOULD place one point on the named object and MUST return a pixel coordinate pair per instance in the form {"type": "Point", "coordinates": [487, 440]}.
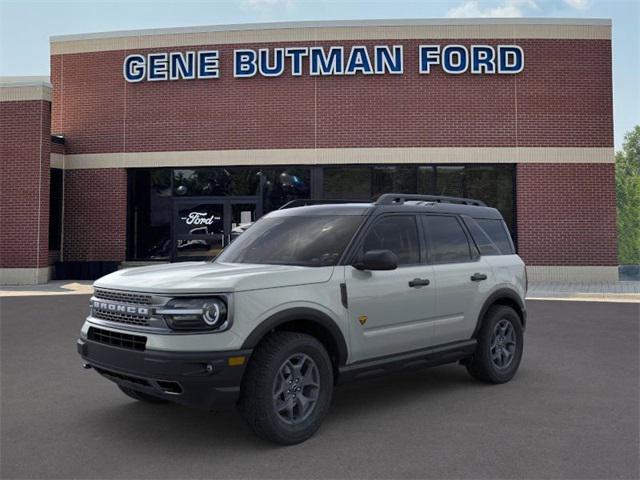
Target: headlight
{"type": "Point", "coordinates": [196, 314]}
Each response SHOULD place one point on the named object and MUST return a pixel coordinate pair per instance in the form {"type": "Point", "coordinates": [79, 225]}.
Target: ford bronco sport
{"type": "Point", "coordinates": [310, 297]}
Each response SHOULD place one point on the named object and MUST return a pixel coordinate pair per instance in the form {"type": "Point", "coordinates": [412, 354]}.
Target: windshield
{"type": "Point", "coordinates": [311, 241]}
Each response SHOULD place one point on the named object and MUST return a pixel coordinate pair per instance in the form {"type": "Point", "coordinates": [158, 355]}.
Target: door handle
{"type": "Point", "coordinates": [478, 277]}
{"type": "Point", "coordinates": [418, 282]}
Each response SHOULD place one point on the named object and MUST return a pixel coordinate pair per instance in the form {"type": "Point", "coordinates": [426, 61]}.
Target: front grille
{"type": "Point", "coordinates": [117, 339]}
{"type": "Point", "coordinates": [127, 318]}
{"type": "Point", "coordinates": [124, 297]}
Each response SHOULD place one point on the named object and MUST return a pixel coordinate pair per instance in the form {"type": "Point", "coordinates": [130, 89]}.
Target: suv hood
{"type": "Point", "coordinates": [207, 277]}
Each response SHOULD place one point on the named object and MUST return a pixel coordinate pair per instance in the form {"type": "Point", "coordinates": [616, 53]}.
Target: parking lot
{"type": "Point", "coordinates": [571, 412]}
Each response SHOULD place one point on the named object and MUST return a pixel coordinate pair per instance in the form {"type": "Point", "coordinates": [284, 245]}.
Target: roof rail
{"type": "Point", "coordinates": [400, 198]}
{"type": "Point", "coordinates": [304, 202]}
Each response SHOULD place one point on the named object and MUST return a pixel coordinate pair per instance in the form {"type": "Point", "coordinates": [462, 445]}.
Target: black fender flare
{"type": "Point", "coordinates": [502, 293]}
{"type": "Point", "coordinates": [297, 314]}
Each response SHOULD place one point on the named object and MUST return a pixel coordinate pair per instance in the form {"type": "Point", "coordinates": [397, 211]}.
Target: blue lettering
{"type": "Point", "coordinates": [359, 61]}
{"type": "Point", "coordinates": [483, 59]}
{"type": "Point", "coordinates": [388, 62]}
{"type": "Point", "coordinates": [244, 63]}
{"type": "Point", "coordinates": [455, 59]}
{"type": "Point", "coordinates": [158, 66]}
{"type": "Point", "coordinates": [321, 64]}
{"type": "Point", "coordinates": [133, 68]}
{"type": "Point", "coordinates": [181, 67]}
{"type": "Point", "coordinates": [277, 68]}
{"type": "Point", "coordinates": [296, 55]}
{"type": "Point", "coordinates": [429, 55]}
{"type": "Point", "coordinates": [208, 64]}
{"type": "Point", "coordinates": [510, 59]}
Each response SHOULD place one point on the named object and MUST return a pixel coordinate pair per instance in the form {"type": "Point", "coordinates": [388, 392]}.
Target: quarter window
{"type": "Point", "coordinates": [498, 233]}
{"type": "Point", "coordinates": [398, 234]}
{"type": "Point", "coordinates": [446, 239]}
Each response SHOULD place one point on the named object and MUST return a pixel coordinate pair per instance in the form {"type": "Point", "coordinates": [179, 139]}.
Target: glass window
{"type": "Point", "coordinates": [397, 233]}
{"type": "Point", "coordinates": [219, 181]}
{"type": "Point", "coordinates": [450, 181]}
{"type": "Point", "coordinates": [426, 180]}
{"type": "Point", "coordinates": [353, 182]}
{"type": "Point", "coordinates": [446, 239]}
{"type": "Point", "coordinates": [283, 184]}
{"type": "Point", "coordinates": [312, 241]}
{"type": "Point", "coordinates": [483, 242]}
{"type": "Point", "coordinates": [393, 179]}
{"type": "Point", "coordinates": [55, 208]}
{"type": "Point", "coordinates": [493, 184]}
{"type": "Point", "coordinates": [497, 231]}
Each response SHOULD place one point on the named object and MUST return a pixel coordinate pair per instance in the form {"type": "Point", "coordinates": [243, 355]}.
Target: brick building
{"type": "Point", "coordinates": [153, 145]}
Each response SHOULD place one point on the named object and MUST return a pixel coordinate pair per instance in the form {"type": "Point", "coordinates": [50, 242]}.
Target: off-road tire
{"type": "Point", "coordinates": [482, 366]}
{"type": "Point", "coordinates": [141, 396]}
{"type": "Point", "coordinates": [257, 404]}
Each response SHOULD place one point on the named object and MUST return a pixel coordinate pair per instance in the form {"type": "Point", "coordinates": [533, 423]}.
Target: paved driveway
{"type": "Point", "coordinates": [572, 411]}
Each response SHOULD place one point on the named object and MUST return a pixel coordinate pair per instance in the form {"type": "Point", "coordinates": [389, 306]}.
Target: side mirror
{"type": "Point", "coordinates": [377, 260]}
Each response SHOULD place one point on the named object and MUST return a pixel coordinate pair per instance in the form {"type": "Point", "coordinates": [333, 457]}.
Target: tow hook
{"type": "Point", "coordinates": [86, 366]}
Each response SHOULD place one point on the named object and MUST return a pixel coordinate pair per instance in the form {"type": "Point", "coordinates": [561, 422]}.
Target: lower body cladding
{"type": "Point", "coordinates": [205, 380]}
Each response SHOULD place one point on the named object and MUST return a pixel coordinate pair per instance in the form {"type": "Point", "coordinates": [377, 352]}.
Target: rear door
{"type": "Point", "coordinates": [462, 277]}
{"type": "Point", "coordinates": [391, 311]}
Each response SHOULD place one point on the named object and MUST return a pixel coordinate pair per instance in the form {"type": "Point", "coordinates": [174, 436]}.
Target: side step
{"type": "Point", "coordinates": [428, 357]}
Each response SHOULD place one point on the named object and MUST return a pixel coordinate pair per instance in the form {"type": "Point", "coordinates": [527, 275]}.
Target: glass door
{"type": "Point", "coordinates": [202, 228]}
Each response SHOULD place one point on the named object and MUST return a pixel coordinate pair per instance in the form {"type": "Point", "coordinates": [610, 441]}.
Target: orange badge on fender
{"type": "Point", "coordinates": [362, 319]}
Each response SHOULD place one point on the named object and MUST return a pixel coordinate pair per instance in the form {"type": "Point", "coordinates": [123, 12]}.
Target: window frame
{"type": "Point", "coordinates": [474, 253]}
{"type": "Point", "coordinates": [361, 234]}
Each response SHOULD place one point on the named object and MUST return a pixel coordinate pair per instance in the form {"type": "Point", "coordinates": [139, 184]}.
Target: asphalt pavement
{"type": "Point", "coordinates": [572, 411]}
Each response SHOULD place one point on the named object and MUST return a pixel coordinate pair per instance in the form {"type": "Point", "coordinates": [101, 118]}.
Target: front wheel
{"type": "Point", "coordinates": [500, 343]}
{"type": "Point", "coordinates": [287, 388]}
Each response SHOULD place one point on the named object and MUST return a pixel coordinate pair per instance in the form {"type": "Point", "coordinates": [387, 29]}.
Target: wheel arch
{"type": "Point", "coordinates": [503, 296]}
{"type": "Point", "coordinates": [304, 320]}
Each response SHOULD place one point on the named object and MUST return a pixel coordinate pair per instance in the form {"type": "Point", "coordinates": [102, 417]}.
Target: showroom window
{"type": "Point", "coordinates": [55, 208]}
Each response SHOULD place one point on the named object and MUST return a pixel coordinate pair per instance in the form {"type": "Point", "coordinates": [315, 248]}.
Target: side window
{"type": "Point", "coordinates": [398, 233]}
{"type": "Point", "coordinates": [446, 240]}
{"type": "Point", "coordinates": [484, 243]}
{"type": "Point", "coordinates": [497, 231]}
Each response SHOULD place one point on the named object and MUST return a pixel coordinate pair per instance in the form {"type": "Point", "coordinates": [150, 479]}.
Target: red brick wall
{"type": "Point", "coordinates": [562, 98]}
{"type": "Point", "coordinates": [95, 214]}
{"type": "Point", "coordinates": [24, 183]}
{"type": "Point", "coordinates": [566, 214]}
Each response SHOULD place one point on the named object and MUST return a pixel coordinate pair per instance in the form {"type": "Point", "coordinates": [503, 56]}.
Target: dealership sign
{"type": "Point", "coordinates": [324, 61]}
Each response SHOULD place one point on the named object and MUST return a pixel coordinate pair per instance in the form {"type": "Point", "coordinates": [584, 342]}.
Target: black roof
{"type": "Point", "coordinates": [395, 203]}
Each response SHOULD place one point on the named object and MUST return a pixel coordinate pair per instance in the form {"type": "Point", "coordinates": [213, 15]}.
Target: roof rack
{"type": "Point", "coordinates": [304, 202]}
{"type": "Point", "coordinates": [400, 198]}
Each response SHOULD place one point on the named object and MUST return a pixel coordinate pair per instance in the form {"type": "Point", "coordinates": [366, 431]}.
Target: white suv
{"type": "Point", "coordinates": [310, 297]}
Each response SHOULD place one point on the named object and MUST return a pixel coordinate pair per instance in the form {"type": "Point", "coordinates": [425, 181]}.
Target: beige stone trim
{"type": "Point", "coordinates": [310, 156]}
{"type": "Point", "coordinates": [24, 93]}
{"type": "Point", "coordinates": [572, 273]}
{"type": "Point", "coordinates": [335, 31]}
{"type": "Point", "coordinates": [57, 160]}
{"type": "Point", "coordinates": [24, 276]}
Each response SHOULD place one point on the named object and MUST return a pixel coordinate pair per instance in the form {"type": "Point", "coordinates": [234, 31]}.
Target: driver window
{"type": "Point", "coordinates": [398, 233]}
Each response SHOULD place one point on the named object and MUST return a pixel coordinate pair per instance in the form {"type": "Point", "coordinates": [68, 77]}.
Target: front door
{"type": "Point", "coordinates": [391, 311]}
{"type": "Point", "coordinates": [203, 227]}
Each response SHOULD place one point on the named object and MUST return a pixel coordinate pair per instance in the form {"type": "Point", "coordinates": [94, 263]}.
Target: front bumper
{"type": "Point", "coordinates": [205, 380]}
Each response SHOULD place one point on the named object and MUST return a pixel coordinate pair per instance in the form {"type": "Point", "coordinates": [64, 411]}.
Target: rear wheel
{"type": "Point", "coordinates": [141, 396]}
{"type": "Point", "coordinates": [287, 388]}
{"type": "Point", "coordinates": [500, 343]}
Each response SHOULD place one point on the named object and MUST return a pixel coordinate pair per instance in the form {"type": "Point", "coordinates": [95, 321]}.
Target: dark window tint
{"type": "Point", "coordinates": [398, 234]}
{"type": "Point", "coordinates": [497, 231]}
{"type": "Point", "coordinates": [446, 239]}
{"type": "Point", "coordinates": [283, 184]}
{"type": "Point", "coordinates": [349, 182]}
{"type": "Point", "coordinates": [482, 240]}
{"type": "Point", "coordinates": [312, 241]}
{"type": "Point", "coordinates": [390, 178]}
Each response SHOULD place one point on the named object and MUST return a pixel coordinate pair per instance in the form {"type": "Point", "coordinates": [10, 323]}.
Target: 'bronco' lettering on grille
{"type": "Point", "coordinates": [114, 307]}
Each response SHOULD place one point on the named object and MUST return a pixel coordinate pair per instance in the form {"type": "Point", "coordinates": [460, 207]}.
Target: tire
{"type": "Point", "coordinates": [284, 368]}
{"type": "Point", "coordinates": [141, 396]}
{"type": "Point", "coordinates": [498, 362]}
